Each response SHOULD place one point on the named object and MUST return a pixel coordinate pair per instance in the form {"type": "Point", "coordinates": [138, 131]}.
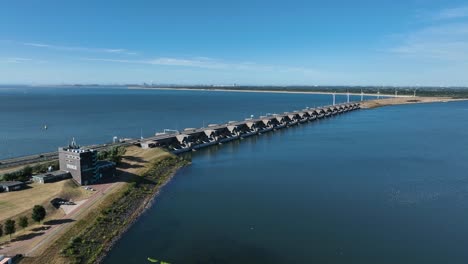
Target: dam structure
{"type": "Point", "coordinates": [191, 139]}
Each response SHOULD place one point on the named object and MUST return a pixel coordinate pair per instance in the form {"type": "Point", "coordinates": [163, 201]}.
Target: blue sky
{"type": "Point", "coordinates": [411, 42]}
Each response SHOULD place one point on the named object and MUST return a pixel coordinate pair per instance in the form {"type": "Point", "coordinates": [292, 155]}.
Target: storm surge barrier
{"type": "Point", "coordinates": [191, 139]}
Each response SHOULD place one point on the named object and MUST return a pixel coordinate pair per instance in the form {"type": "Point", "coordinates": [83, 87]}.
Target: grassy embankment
{"type": "Point", "coordinates": [89, 239]}
{"type": "Point", "coordinates": [14, 205]}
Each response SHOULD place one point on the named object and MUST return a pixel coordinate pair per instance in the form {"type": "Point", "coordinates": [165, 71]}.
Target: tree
{"type": "Point", "coordinates": [118, 153]}
{"type": "Point", "coordinates": [38, 213]}
{"type": "Point", "coordinates": [27, 171]}
{"type": "Point", "coordinates": [23, 174]}
{"type": "Point", "coordinates": [10, 227]}
{"type": "Point", "coordinates": [114, 154]}
{"type": "Point", "coordinates": [102, 155]}
{"type": "Point", "coordinates": [23, 222]}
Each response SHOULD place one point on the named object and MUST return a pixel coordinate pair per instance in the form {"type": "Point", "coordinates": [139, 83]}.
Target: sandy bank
{"type": "Point", "coordinates": [406, 100]}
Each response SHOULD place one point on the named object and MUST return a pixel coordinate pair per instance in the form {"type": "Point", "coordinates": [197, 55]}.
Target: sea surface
{"type": "Point", "coordinates": [97, 115]}
{"type": "Point", "coordinates": [387, 185]}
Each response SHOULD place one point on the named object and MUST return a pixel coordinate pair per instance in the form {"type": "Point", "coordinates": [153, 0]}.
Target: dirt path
{"type": "Point", "coordinates": [33, 246]}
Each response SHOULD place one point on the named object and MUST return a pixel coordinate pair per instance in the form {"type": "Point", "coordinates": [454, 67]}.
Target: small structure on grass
{"type": "Point", "coordinates": [53, 176]}
{"type": "Point", "coordinates": [9, 186]}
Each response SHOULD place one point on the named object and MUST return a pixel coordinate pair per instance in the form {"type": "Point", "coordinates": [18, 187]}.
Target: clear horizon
{"type": "Point", "coordinates": [174, 85]}
{"type": "Point", "coordinates": [338, 43]}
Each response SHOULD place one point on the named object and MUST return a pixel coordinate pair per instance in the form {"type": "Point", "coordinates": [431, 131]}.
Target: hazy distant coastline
{"type": "Point", "coordinates": [382, 91]}
{"type": "Point", "coordinates": [386, 99]}
{"type": "Point", "coordinates": [258, 91]}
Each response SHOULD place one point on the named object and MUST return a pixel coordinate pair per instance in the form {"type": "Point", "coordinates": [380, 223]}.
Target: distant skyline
{"type": "Point", "coordinates": [390, 43]}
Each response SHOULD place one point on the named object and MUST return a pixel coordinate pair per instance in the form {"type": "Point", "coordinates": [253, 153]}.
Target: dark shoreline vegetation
{"type": "Point", "coordinates": [91, 238]}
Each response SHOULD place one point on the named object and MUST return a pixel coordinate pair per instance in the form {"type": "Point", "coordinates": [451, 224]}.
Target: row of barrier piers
{"type": "Point", "coordinates": [196, 138]}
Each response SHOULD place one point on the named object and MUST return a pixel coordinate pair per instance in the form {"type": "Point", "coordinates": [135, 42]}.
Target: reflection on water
{"type": "Point", "coordinates": [387, 185]}
{"type": "Point", "coordinates": [374, 186]}
{"type": "Point", "coordinates": [97, 115]}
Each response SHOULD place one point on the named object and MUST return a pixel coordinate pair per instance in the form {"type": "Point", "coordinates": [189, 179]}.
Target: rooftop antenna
{"type": "Point", "coordinates": [73, 144]}
{"type": "Point", "coordinates": [333, 98]}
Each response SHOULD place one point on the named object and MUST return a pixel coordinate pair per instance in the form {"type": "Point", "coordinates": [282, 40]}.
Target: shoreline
{"type": "Point", "coordinates": [387, 99]}
{"type": "Point", "coordinates": [145, 205]}
{"type": "Point", "coordinates": [149, 201]}
{"type": "Point", "coordinates": [161, 174]}
{"type": "Point", "coordinates": [262, 91]}
{"type": "Point", "coordinates": [100, 229]}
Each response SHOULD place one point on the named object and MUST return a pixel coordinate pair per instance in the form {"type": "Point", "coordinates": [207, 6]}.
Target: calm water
{"type": "Point", "coordinates": [379, 186]}
{"type": "Point", "coordinates": [97, 115]}
{"type": "Point", "coordinates": [388, 185]}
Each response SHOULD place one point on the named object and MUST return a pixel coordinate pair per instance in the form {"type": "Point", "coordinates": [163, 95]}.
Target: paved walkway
{"type": "Point", "coordinates": [67, 209]}
{"type": "Point", "coordinates": [32, 246]}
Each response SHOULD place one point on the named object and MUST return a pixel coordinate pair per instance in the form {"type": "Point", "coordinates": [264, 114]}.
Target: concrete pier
{"type": "Point", "coordinates": [195, 138]}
